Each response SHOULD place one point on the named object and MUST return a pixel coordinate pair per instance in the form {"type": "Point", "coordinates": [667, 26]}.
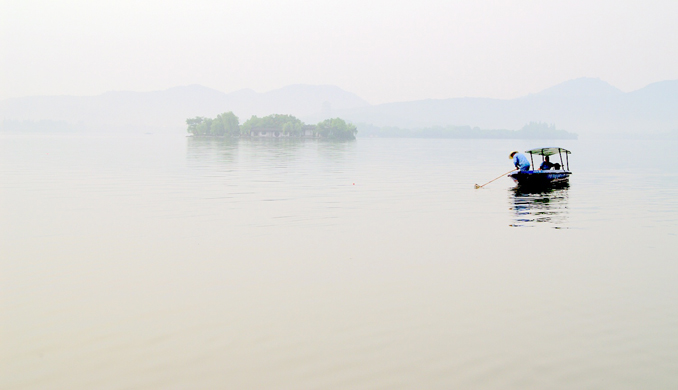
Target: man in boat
{"type": "Point", "coordinates": [520, 161]}
{"type": "Point", "coordinates": [546, 165]}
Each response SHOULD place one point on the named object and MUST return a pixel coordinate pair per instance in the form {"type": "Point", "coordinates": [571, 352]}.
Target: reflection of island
{"type": "Point", "coordinates": [546, 206]}
{"type": "Point", "coordinates": [206, 151]}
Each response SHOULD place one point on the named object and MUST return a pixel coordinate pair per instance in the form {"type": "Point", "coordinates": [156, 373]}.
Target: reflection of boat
{"type": "Point", "coordinates": [546, 206]}
{"type": "Point", "coordinates": [544, 178]}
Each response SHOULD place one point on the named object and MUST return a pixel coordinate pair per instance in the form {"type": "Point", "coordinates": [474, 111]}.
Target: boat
{"type": "Point", "coordinates": [558, 176]}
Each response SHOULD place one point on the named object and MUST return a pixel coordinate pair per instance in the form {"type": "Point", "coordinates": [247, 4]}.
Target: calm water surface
{"type": "Point", "coordinates": [165, 262]}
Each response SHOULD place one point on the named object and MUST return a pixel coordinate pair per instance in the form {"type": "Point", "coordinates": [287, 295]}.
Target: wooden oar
{"type": "Point", "coordinates": [500, 176]}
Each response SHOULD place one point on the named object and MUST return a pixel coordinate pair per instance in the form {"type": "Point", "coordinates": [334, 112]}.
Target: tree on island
{"type": "Point", "coordinates": [226, 124]}
{"type": "Point", "coordinates": [336, 128]}
{"type": "Point", "coordinates": [199, 125]}
{"type": "Point", "coordinates": [288, 124]}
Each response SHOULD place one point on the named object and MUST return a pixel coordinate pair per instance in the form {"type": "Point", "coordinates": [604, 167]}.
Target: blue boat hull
{"type": "Point", "coordinates": [541, 178]}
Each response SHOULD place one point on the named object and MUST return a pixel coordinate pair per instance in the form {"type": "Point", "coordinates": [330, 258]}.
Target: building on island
{"type": "Point", "coordinates": [267, 132]}
{"type": "Point", "coordinates": [307, 131]}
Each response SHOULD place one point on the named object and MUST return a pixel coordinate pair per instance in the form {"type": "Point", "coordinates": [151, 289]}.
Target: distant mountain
{"type": "Point", "coordinates": [582, 87]}
{"type": "Point", "coordinates": [171, 107]}
{"type": "Point", "coordinates": [584, 106]}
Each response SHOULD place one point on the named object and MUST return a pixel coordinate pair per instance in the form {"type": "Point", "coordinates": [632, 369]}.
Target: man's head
{"type": "Point", "coordinates": [513, 154]}
{"type": "Point", "coordinates": [546, 158]}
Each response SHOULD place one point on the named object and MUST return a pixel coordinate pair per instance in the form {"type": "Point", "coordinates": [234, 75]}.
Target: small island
{"type": "Point", "coordinates": [272, 126]}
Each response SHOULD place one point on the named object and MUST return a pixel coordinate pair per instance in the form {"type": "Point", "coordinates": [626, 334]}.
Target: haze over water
{"type": "Point", "coordinates": [148, 261]}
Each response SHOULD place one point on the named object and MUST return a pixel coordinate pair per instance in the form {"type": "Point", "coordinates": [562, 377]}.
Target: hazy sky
{"type": "Point", "coordinates": [382, 50]}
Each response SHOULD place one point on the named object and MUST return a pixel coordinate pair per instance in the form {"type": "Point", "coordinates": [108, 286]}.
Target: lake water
{"type": "Point", "coordinates": [165, 262]}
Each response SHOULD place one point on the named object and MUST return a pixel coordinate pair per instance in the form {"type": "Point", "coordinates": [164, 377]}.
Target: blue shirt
{"type": "Point", "coordinates": [545, 166]}
{"type": "Point", "coordinates": [521, 162]}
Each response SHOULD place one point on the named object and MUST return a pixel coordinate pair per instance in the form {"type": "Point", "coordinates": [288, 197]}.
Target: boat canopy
{"type": "Point", "coordinates": [548, 151]}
